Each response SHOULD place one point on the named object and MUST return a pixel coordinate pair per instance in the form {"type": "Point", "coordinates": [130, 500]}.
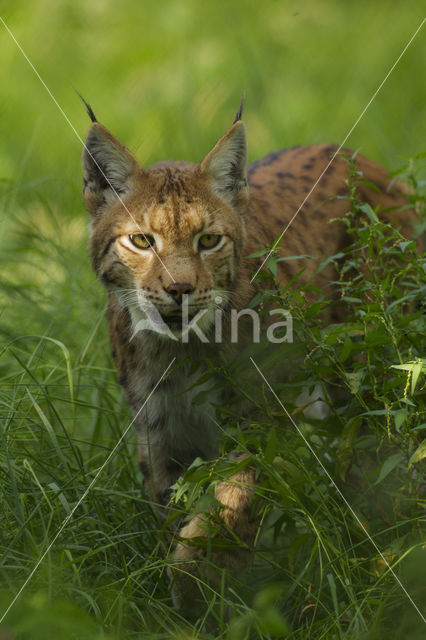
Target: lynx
{"type": "Point", "coordinates": [179, 233]}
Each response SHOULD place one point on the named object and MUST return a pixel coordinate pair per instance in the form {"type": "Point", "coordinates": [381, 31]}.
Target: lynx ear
{"type": "Point", "coordinates": [226, 165]}
{"type": "Point", "coordinates": [107, 168]}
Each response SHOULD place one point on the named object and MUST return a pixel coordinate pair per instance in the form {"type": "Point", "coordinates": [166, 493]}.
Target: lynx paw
{"type": "Point", "coordinates": [216, 541]}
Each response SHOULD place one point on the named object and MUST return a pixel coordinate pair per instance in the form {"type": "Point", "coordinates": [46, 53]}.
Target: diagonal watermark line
{"type": "Point", "coordinates": [80, 138]}
{"type": "Point", "coordinates": [280, 237]}
{"type": "Point", "coordinates": [359, 522]}
{"type": "Point", "coordinates": [93, 482]}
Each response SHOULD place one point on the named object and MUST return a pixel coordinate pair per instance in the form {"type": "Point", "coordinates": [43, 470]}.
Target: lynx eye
{"type": "Point", "coordinates": [142, 240]}
{"type": "Point", "coordinates": [209, 240]}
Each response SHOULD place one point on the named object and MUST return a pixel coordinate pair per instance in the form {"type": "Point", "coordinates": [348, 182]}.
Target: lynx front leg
{"type": "Point", "coordinates": [217, 540]}
{"type": "Point", "coordinates": [161, 465]}
{"type": "Point", "coordinates": [160, 470]}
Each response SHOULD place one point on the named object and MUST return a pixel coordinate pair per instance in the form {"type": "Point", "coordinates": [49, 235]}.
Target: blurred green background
{"type": "Point", "coordinates": [166, 77]}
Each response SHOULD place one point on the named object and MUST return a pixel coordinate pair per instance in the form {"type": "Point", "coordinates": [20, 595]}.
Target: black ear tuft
{"type": "Point", "coordinates": [88, 107]}
{"type": "Point", "coordinates": [239, 113]}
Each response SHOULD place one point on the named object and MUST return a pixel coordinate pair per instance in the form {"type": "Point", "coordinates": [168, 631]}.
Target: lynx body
{"type": "Point", "coordinates": [180, 230]}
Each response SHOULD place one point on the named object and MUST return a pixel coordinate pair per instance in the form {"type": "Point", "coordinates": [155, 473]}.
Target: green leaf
{"type": "Point", "coordinates": [272, 264]}
{"type": "Point", "coordinates": [271, 448]}
{"type": "Point", "coordinates": [354, 381]}
{"type": "Point", "coordinates": [415, 372]}
{"type": "Point", "coordinates": [345, 351]}
{"type": "Point", "coordinates": [268, 596]}
{"type": "Point", "coordinates": [400, 417]}
{"type": "Point", "coordinates": [205, 503]}
{"type": "Point", "coordinates": [345, 449]}
{"type": "Point", "coordinates": [415, 368]}
{"type": "Point", "coordinates": [303, 255]}
{"type": "Point", "coordinates": [323, 264]}
{"type": "Point", "coordinates": [404, 245]}
{"type": "Point", "coordinates": [333, 590]}
{"type": "Point", "coordinates": [388, 466]}
{"type": "Point", "coordinates": [366, 208]}
{"type": "Point", "coordinates": [407, 401]}
{"type": "Point", "coordinates": [402, 367]}
{"type": "Point", "coordinates": [239, 627]}
{"type": "Point", "coordinates": [272, 622]}
{"type": "Point", "coordinates": [258, 254]}
{"type": "Point", "coordinates": [418, 455]}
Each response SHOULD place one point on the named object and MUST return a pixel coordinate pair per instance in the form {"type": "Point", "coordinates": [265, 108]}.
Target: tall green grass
{"type": "Point", "coordinates": [167, 78]}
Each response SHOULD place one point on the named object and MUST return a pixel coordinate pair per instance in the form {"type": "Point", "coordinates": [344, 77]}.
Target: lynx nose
{"type": "Point", "coordinates": [178, 289]}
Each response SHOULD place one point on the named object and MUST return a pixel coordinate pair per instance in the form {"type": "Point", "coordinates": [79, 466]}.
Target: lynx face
{"type": "Point", "coordinates": [169, 235]}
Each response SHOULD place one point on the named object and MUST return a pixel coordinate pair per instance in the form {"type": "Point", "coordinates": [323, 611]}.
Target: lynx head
{"type": "Point", "coordinates": [170, 233]}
